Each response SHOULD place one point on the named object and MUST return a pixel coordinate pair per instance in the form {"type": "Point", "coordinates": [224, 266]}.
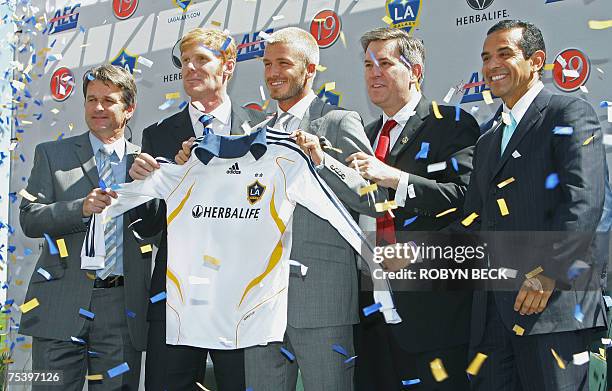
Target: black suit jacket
{"type": "Point", "coordinates": [432, 320]}
{"type": "Point", "coordinates": [165, 140]}
{"type": "Point", "coordinates": [574, 205]}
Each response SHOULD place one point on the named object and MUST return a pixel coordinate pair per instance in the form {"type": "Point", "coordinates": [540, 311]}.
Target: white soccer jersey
{"type": "Point", "coordinates": [229, 211]}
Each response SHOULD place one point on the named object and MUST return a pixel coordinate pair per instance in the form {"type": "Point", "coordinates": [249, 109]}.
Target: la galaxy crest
{"type": "Point", "coordinates": [125, 60]}
{"type": "Point", "coordinates": [255, 192]}
{"type": "Point", "coordinates": [404, 14]}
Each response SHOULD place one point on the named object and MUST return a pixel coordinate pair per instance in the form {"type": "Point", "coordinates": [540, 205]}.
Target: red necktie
{"type": "Point", "coordinates": [385, 226]}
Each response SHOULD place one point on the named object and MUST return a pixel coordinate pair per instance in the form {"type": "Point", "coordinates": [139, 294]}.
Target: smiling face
{"type": "Point", "coordinates": [105, 112]}
{"type": "Point", "coordinates": [288, 78]}
{"type": "Point", "coordinates": [506, 70]}
{"type": "Point", "coordinates": [204, 74]}
{"type": "Point", "coordinates": [388, 79]}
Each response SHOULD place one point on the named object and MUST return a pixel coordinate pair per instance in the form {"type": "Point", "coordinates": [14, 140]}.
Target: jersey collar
{"type": "Point", "coordinates": [230, 147]}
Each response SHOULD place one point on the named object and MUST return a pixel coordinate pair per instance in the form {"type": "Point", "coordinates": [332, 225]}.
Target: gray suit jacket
{"type": "Point", "coordinates": [64, 172]}
{"type": "Point", "coordinates": [328, 294]}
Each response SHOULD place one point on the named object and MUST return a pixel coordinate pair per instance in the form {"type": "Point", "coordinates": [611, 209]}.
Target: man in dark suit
{"type": "Point", "coordinates": [517, 329]}
{"type": "Point", "coordinates": [91, 317]}
{"type": "Point", "coordinates": [322, 304]}
{"type": "Point", "coordinates": [388, 354]}
{"type": "Point", "coordinates": [206, 71]}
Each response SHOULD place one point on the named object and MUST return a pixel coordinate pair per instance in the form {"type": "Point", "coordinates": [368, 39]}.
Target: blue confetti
{"type": "Point", "coordinates": [373, 58]}
{"type": "Point", "coordinates": [339, 349]}
{"type": "Point", "coordinates": [577, 268]}
{"type": "Point", "coordinates": [578, 313]}
{"type": "Point", "coordinates": [455, 164]}
{"type": "Point", "coordinates": [226, 44]}
{"type": "Point", "coordinates": [409, 221]}
{"type": "Point", "coordinates": [287, 354]}
{"type": "Point", "coordinates": [369, 310]}
{"type": "Point", "coordinates": [348, 360]}
{"type": "Point", "coordinates": [26, 252]}
{"type": "Point", "coordinates": [131, 314]}
{"type": "Point", "coordinates": [411, 382]}
{"type": "Point", "coordinates": [78, 340]}
{"type": "Point", "coordinates": [422, 154]}
{"type": "Point", "coordinates": [21, 157]}
{"type": "Point", "coordinates": [604, 104]}
{"type": "Point", "coordinates": [101, 184]}
{"type": "Point", "coordinates": [182, 105]}
{"type": "Point", "coordinates": [19, 339]}
{"type": "Point", "coordinates": [52, 248]}
{"type": "Point", "coordinates": [11, 249]}
{"type": "Point", "coordinates": [90, 77]}
{"type": "Point", "coordinates": [89, 315]}
{"type": "Point", "coordinates": [552, 181]}
{"type": "Point", "coordinates": [457, 112]}
{"type": "Point", "coordinates": [158, 297]}
{"type": "Point", "coordinates": [563, 130]}
{"type": "Point", "coordinates": [118, 370]}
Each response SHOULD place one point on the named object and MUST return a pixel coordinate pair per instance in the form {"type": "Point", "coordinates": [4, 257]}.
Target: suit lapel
{"type": "Point", "coordinates": [314, 111]}
{"type": "Point", "coordinates": [183, 126]}
{"type": "Point", "coordinates": [409, 134]}
{"type": "Point", "coordinates": [372, 130]}
{"type": "Point", "coordinates": [131, 151]}
{"type": "Point", "coordinates": [528, 122]}
{"type": "Point", "coordinates": [238, 117]}
{"type": "Point", "coordinates": [85, 155]}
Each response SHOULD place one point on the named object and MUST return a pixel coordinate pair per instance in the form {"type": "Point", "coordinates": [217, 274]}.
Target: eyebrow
{"type": "Point", "coordinates": [498, 50]}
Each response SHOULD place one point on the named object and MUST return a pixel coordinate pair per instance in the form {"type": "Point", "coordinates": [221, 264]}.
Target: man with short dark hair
{"type": "Point", "coordinates": [530, 333]}
{"type": "Point", "coordinates": [428, 200]}
{"type": "Point", "coordinates": [91, 316]}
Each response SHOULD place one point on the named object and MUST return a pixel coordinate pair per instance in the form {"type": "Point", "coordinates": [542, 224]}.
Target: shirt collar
{"type": "Point", "coordinates": [229, 147]}
{"type": "Point", "coordinates": [521, 106]}
{"type": "Point", "coordinates": [117, 146]}
{"type": "Point", "coordinates": [404, 114]}
{"type": "Point", "coordinates": [222, 113]}
{"type": "Point", "coordinates": [299, 109]}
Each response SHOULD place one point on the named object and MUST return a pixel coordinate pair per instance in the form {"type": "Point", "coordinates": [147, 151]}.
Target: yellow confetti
{"type": "Point", "coordinates": [332, 148]}
{"type": "Point", "coordinates": [18, 282]}
{"type": "Point", "coordinates": [91, 276]}
{"type": "Point", "coordinates": [588, 140]}
{"type": "Point", "coordinates": [61, 246]}
{"type": "Point", "coordinates": [321, 68]}
{"type": "Point", "coordinates": [437, 370]}
{"type": "Point", "coordinates": [368, 189]}
{"type": "Point", "coordinates": [94, 377]}
{"type": "Point", "coordinates": [560, 362]}
{"type": "Point", "coordinates": [534, 272]}
{"type": "Point", "coordinates": [71, 126]}
{"type": "Point", "coordinates": [503, 208]}
{"type": "Point", "coordinates": [265, 105]}
{"type": "Point", "coordinates": [173, 95]}
{"type": "Point", "coordinates": [518, 330]}
{"type": "Point", "coordinates": [486, 94]}
{"type": "Point", "coordinates": [343, 38]}
{"type": "Point", "coordinates": [436, 109]}
{"type": "Point", "coordinates": [600, 24]}
{"type": "Point", "coordinates": [7, 361]}
{"type": "Point", "coordinates": [387, 19]}
{"type": "Point", "coordinates": [506, 182]}
{"type": "Point", "coordinates": [330, 86]}
{"type": "Point", "coordinates": [212, 260]}
{"type": "Point", "coordinates": [549, 67]}
{"type": "Point", "coordinates": [146, 248]}
{"type": "Point", "coordinates": [215, 23]}
{"type": "Point", "coordinates": [24, 193]}
{"type": "Point", "coordinates": [30, 305]}
{"type": "Point", "coordinates": [602, 353]}
{"type": "Point", "coordinates": [26, 346]}
{"type": "Point", "coordinates": [476, 363]}
{"type": "Point", "coordinates": [448, 211]}
{"type": "Point", "coordinates": [470, 219]}
{"type": "Point", "coordinates": [385, 206]}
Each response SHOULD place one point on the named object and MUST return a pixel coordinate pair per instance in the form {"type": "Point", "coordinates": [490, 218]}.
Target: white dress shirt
{"type": "Point", "coordinates": [297, 112]}
{"type": "Point", "coordinates": [221, 125]}
{"type": "Point", "coordinates": [521, 106]}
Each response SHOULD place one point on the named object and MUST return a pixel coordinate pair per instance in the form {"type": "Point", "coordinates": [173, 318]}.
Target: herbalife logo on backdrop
{"type": "Point", "coordinates": [479, 5]}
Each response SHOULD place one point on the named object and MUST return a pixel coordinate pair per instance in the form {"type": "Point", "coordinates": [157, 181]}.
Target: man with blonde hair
{"type": "Point", "coordinates": [208, 60]}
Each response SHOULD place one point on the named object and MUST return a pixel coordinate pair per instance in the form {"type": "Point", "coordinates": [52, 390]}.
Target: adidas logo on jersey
{"type": "Point", "coordinates": [234, 169]}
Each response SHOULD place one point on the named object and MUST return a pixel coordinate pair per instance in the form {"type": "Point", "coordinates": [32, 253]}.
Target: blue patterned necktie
{"type": "Point", "coordinates": [508, 132]}
{"type": "Point", "coordinates": [110, 229]}
{"type": "Point", "coordinates": [206, 120]}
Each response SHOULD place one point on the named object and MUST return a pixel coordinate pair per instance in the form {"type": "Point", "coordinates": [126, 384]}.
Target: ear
{"type": "Point", "coordinates": [538, 59]}
{"type": "Point", "coordinates": [129, 112]}
{"type": "Point", "coordinates": [311, 70]}
{"type": "Point", "coordinates": [417, 72]}
{"type": "Point", "coordinates": [228, 68]}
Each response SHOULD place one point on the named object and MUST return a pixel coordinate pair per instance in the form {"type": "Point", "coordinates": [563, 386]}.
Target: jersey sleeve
{"type": "Point", "coordinates": [305, 186]}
